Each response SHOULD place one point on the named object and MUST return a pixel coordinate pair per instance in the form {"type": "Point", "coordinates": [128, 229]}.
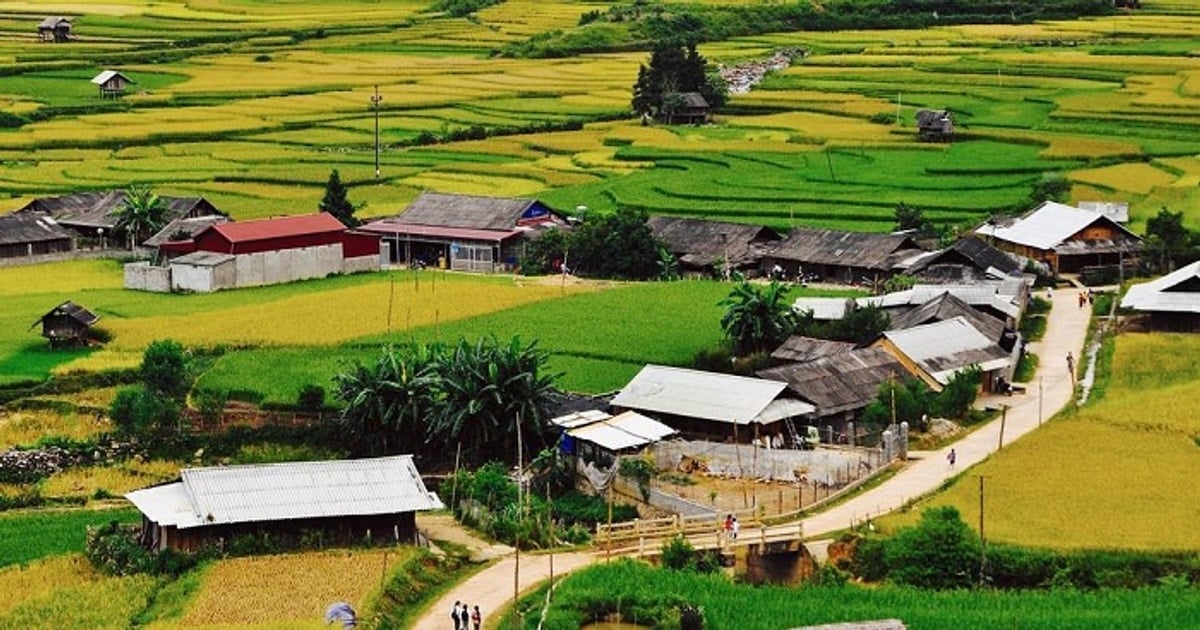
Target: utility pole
{"type": "Point", "coordinates": [375, 103]}
{"type": "Point", "coordinates": [521, 512]}
{"type": "Point", "coordinates": [1040, 379]}
{"type": "Point", "coordinates": [1003, 418]}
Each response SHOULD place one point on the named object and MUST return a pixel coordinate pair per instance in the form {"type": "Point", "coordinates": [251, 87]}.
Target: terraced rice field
{"type": "Point", "coordinates": [255, 103]}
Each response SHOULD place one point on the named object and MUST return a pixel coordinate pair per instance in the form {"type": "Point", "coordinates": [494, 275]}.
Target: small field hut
{"type": "Point", "coordinates": [55, 29]}
{"type": "Point", "coordinates": [112, 83]}
{"type": "Point", "coordinates": [67, 323]}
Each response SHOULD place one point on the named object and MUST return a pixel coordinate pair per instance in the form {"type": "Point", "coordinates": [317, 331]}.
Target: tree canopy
{"type": "Point", "coordinates": [757, 319]}
{"type": "Point", "coordinates": [336, 201]}
{"type": "Point", "coordinates": [618, 245]}
{"type": "Point", "coordinates": [672, 70]}
{"type": "Point", "coordinates": [1169, 243]}
{"type": "Point", "coordinates": [141, 214]}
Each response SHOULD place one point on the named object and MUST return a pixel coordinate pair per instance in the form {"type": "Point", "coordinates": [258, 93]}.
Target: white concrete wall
{"type": "Point", "coordinates": [185, 277]}
{"type": "Point", "coordinates": [142, 276]}
{"type": "Point", "coordinates": [289, 265]}
{"type": "Point", "coordinates": [360, 264]}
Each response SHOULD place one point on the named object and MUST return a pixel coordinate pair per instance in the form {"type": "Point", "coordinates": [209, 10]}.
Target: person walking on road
{"type": "Point", "coordinates": [951, 457]}
{"type": "Point", "coordinates": [736, 526]}
{"type": "Point", "coordinates": [476, 617]}
{"type": "Point", "coordinates": [454, 614]}
{"type": "Point", "coordinates": [464, 617]}
{"type": "Point", "coordinates": [1071, 367]}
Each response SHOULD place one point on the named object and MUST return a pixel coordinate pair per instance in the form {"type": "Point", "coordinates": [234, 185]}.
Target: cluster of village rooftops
{"type": "Point", "coordinates": [962, 312]}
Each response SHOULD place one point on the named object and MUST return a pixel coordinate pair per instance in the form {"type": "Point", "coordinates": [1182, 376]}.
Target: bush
{"type": "Point", "coordinates": [311, 398]}
{"type": "Point", "coordinates": [677, 553]}
{"type": "Point", "coordinates": [941, 552]}
{"type": "Point", "coordinates": [869, 561]}
{"type": "Point", "coordinates": [114, 549]}
{"type": "Point", "coordinates": [578, 508]}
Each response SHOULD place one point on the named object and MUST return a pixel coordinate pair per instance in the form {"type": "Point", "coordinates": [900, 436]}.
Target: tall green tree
{"type": "Point", "coordinates": [1168, 242]}
{"type": "Point", "coordinates": [336, 201]}
{"type": "Point", "coordinates": [387, 402]}
{"type": "Point", "coordinates": [140, 215]}
{"type": "Point", "coordinates": [675, 68]}
{"type": "Point", "coordinates": [757, 319]}
{"type": "Point", "coordinates": [618, 245]}
{"type": "Point", "coordinates": [153, 408]}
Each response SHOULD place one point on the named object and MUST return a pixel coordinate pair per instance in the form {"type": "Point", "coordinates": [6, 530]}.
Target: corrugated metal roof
{"type": "Point", "coordinates": [945, 347]}
{"type": "Point", "coordinates": [1046, 227]}
{"type": "Point", "coordinates": [698, 394]}
{"type": "Point", "coordinates": [800, 349]}
{"type": "Point", "coordinates": [295, 490]}
{"type": "Point", "coordinates": [262, 229]}
{"type": "Point", "coordinates": [580, 418]}
{"type": "Point", "coordinates": [475, 211]}
{"type": "Point", "coordinates": [840, 382]}
{"type": "Point", "coordinates": [781, 408]}
{"type": "Point", "coordinates": [166, 505]}
{"type": "Point", "coordinates": [980, 294]}
{"type": "Point", "coordinates": [203, 259]}
{"type": "Point", "coordinates": [627, 430]}
{"type": "Point", "coordinates": [1177, 292]}
{"type": "Point", "coordinates": [104, 77]}
{"type": "Point", "coordinates": [392, 227]}
{"type": "Point", "coordinates": [823, 308]}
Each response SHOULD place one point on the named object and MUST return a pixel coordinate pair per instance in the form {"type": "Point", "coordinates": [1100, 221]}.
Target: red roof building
{"type": "Point", "coordinates": [249, 237]}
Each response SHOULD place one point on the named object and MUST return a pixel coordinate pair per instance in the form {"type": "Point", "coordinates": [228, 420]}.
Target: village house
{"type": "Point", "coordinates": [711, 248]}
{"type": "Point", "coordinates": [55, 29]}
{"type": "Point", "coordinates": [840, 385]}
{"type": "Point", "coordinates": [948, 306]}
{"type": "Point", "coordinates": [67, 324]}
{"type": "Point", "coordinates": [1172, 302]}
{"type": "Point", "coordinates": [464, 232]}
{"type": "Point", "coordinates": [710, 405]}
{"type": "Point", "coordinates": [1004, 300]}
{"type": "Point", "coordinates": [801, 349]}
{"type": "Point", "coordinates": [966, 261]}
{"type": "Point", "coordinates": [28, 234]}
{"type": "Point", "coordinates": [1064, 238]}
{"type": "Point", "coordinates": [112, 83]}
{"type": "Point", "coordinates": [253, 253]}
{"type": "Point", "coordinates": [935, 125]}
{"type": "Point", "coordinates": [936, 352]}
{"type": "Point", "coordinates": [840, 256]}
{"type": "Point", "coordinates": [347, 500]}
{"type": "Point", "coordinates": [94, 215]}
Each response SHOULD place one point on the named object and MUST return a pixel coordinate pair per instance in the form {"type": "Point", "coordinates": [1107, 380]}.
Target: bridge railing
{"type": "Point", "coordinates": [641, 530]}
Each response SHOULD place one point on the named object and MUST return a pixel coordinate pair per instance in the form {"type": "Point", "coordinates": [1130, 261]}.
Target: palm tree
{"type": "Point", "coordinates": [486, 389]}
{"type": "Point", "coordinates": [757, 319]}
{"type": "Point", "coordinates": [141, 214]}
{"type": "Point", "coordinates": [384, 402]}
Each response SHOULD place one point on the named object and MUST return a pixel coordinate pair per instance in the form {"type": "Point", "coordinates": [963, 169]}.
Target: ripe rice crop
{"type": "Point", "coordinates": [99, 604]}
{"type": "Point", "coordinates": [1136, 178]}
{"type": "Point", "coordinates": [22, 583]}
{"type": "Point", "coordinates": [61, 277]}
{"type": "Point", "coordinates": [288, 588]}
{"type": "Point", "coordinates": [1119, 473]}
{"type": "Point", "coordinates": [26, 426]}
{"type": "Point", "coordinates": [114, 480]}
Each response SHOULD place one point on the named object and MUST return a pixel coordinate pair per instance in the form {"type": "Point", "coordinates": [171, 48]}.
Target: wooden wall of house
{"type": "Point", "coordinates": [1175, 322]}
{"type": "Point", "coordinates": [20, 250]}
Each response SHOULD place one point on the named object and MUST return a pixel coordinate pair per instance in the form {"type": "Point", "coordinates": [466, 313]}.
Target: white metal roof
{"type": "Point", "coordinates": [627, 430]}
{"type": "Point", "coordinates": [103, 77]}
{"type": "Point", "coordinates": [1044, 228]}
{"type": "Point", "coordinates": [580, 418]}
{"type": "Point", "coordinates": [943, 348]}
{"type": "Point", "coordinates": [698, 394]}
{"type": "Point", "coordinates": [203, 259]}
{"type": "Point", "coordinates": [823, 308]}
{"type": "Point", "coordinates": [166, 505]}
{"type": "Point", "coordinates": [1157, 296]}
{"type": "Point", "coordinates": [1116, 210]}
{"type": "Point", "coordinates": [294, 490]}
{"type": "Point", "coordinates": [981, 294]}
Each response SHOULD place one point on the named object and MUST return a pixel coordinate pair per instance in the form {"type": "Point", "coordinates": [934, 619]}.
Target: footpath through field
{"type": "Point", "coordinates": [1066, 330]}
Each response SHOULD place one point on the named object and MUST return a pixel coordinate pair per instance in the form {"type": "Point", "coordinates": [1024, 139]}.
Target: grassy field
{"type": "Point", "coordinates": [634, 586]}
{"type": "Point", "coordinates": [1118, 473]}
{"type": "Point", "coordinates": [810, 146]}
{"type": "Point", "coordinates": [28, 535]}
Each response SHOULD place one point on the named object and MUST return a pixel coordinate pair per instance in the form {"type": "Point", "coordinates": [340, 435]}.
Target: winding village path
{"type": "Point", "coordinates": [493, 588]}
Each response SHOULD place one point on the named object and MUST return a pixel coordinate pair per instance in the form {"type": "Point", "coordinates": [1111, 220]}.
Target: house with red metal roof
{"type": "Point", "coordinates": [464, 232]}
{"type": "Point", "coordinates": [254, 253]}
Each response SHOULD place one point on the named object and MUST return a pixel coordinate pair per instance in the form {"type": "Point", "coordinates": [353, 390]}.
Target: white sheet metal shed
{"type": "Point", "coordinates": [699, 394]}
{"type": "Point", "coordinates": [580, 418]}
{"type": "Point", "coordinates": [624, 431]}
{"type": "Point", "coordinates": [1164, 294]}
{"type": "Point", "coordinates": [294, 490]}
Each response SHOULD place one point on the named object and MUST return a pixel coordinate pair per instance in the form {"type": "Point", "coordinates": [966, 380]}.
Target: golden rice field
{"type": "Point", "coordinates": [1119, 473]}
{"type": "Point", "coordinates": [65, 592]}
{"type": "Point", "coordinates": [115, 480]}
{"type": "Point", "coordinates": [290, 590]}
{"type": "Point", "coordinates": [25, 426]}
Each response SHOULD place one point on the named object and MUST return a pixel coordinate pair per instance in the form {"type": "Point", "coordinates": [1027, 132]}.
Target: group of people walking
{"type": "Point", "coordinates": [465, 617]}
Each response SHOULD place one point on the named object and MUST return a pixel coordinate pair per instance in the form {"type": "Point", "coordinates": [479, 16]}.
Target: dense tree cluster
{"type": "Point", "coordinates": [674, 70]}
{"type": "Point", "coordinates": [1169, 243]}
{"type": "Point", "coordinates": [154, 407]}
{"type": "Point", "coordinates": [757, 318]}
{"type": "Point", "coordinates": [434, 398]}
{"type": "Point", "coordinates": [910, 400]}
{"type": "Point", "coordinates": [618, 245]}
